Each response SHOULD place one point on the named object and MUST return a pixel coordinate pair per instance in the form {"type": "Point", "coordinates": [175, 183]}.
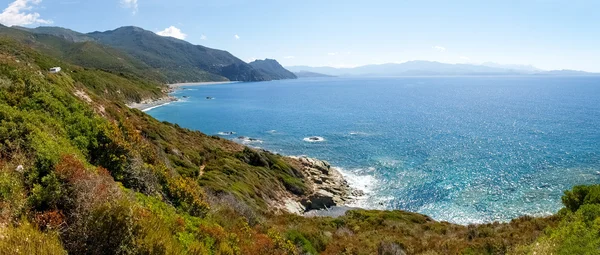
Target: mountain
{"type": "Point", "coordinates": [524, 68]}
{"type": "Point", "coordinates": [273, 69]}
{"type": "Point", "coordinates": [426, 68]}
{"type": "Point", "coordinates": [67, 34]}
{"type": "Point", "coordinates": [305, 74]}
{"type": "Point", "coordinates": [179, 60]}
{"type": "Point", "coordinates": [84, 53]}
{"type": "Point", "coordinates": [167, 59]}
{"type": "Point", "coordinates": [323, 70]}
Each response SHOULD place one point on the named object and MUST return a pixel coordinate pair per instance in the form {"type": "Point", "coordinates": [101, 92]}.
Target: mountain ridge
{"type": "Point", "coordinates": [432, 68]}
{"type": "Point", "coordinates": [168, 59]}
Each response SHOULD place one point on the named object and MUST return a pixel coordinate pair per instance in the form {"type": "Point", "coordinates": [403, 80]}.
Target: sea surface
{"type": "Point", "coordinates": [459, 149]}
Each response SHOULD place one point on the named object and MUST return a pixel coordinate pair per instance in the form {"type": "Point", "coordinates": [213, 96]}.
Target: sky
{"type": "Point", "coordinates": [548, 34]}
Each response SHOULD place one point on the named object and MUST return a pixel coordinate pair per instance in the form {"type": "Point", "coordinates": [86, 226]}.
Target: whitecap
{"type": "Point", "coordinates": [314, 139]}
{"type": "Point", "coordinates": [248, 140]}
{"type": "Point", "coordinates": [272, 131]}
{"type": "Point", "coordinates": [226, 133]}
{"type": "Point", "coordinates": [363, 182]}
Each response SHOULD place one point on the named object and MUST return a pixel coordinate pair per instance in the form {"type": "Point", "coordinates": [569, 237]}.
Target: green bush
{"type": "Point", "coordinates": [581, 195]}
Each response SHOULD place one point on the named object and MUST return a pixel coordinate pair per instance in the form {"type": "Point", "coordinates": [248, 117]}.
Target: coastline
{"type": "Point", "coordinates": [149, 104]}
{"type": "Point", "coordinates": [205, 83]}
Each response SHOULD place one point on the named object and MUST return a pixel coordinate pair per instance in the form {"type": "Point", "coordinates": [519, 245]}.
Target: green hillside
{"type": "Point", "coordinates": [141, 52]}
{"type": "Point", "coordinates": [81, 173]}
{"type": "Point", "coordinates": [64, 33]}
{"type": "Point", "coordinates": [168, 53]}
{"type": "Point", "coordinates": [85, 54]}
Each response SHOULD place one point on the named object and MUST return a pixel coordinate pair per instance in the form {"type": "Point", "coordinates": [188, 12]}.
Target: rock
{"type": "Point", "coordinates": [293, 206]}
{"type": "Point", "coordinates": [357, 193]}
{"type": "Point", "coordinates": [19, 169]}
{"type": "Point", "coordinates": [319, 200]}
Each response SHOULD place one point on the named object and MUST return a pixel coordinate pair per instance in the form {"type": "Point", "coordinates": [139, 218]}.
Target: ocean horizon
{"type": "Point", "coordinates": [459, 149]}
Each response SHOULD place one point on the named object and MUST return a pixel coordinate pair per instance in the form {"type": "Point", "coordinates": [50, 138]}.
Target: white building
{"type": "Point", "coordinates": [55, 69]}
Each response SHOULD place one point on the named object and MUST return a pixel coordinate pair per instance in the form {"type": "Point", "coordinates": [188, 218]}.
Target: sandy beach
{"type": "Point", "coordinates": [176, 85]}
{"type": "Point", "coordinates": [148, 104]}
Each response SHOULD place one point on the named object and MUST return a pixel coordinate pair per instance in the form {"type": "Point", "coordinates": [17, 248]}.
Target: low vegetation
{"type": "Point", "coordinates": [81, 173]}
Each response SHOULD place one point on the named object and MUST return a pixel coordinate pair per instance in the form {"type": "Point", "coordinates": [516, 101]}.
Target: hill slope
{"type": "Point", "coordinates": [86, 53]}
{"type": "Point", "coordinates": [64, 33]}
{"type": "Point", "coordinates": [171, 60]}
{"type": "Point", "coordinates": [179, 60]}
{"type": "Point", "coordinates": [273, 69]}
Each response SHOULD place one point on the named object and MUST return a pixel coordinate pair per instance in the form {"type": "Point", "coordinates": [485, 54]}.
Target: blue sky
{"type": "Point", "coordinates": [549, 34]}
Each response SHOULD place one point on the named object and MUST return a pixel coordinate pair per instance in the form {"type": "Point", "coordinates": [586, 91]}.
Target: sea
{"type": "Point", "coordinates": [458, 149]}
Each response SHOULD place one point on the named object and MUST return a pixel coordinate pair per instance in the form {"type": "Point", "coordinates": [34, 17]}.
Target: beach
{"type": "Point", "coordinates": [148, 104]}
{"type": "Point", "coordinates": [177, 85]}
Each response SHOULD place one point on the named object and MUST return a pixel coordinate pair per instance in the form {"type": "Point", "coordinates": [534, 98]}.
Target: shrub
{"type": "Point", "coordinates": [47, 194]}
{"type": "Point", "coordinates": [107, 229]}
{"type": "Point", "coordinates": [12, 196]}
{"type": "Point", "coordinates": [581, 195]}
{"type": "Point", "coordinates": [26, 239]}
{"type": "Point", "coordinates": [297, 238]}
{"type": "Point", "coordinates": [390, 248]}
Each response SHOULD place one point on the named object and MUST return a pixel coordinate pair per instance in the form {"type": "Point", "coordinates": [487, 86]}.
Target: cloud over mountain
{"type": "Point", "coordinates": [19, 13]}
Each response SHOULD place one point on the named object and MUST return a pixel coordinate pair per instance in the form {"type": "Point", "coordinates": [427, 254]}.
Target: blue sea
{"type": "Point", "coordinates": [459, 149]}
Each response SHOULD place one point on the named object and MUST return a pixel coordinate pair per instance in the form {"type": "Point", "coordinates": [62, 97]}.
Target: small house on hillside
{"type": "Point", "coordinates": [55, 70]}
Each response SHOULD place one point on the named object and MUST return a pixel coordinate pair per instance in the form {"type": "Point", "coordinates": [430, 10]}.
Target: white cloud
{"type": "Point", "coordinates": [332, 53]}
{"type": "Point", "coordinates": [19, 13]}
{"type": "Point", "coordinates": [203, 37]}
{"type": "Point", "coordinates": [465, 58]}
{"type": "Point", "coordinates": [237, 37]}
{"type": "Point", "coordinates": [130, 4]}
{"type": "Point", "coordinates": [439, 48]}
{"type": "Point", "coordinates": [172, 32]}
{"type": "Point", "coordinates": [289, 57]}
{"type": "Point", "coordinates": [252, 59]}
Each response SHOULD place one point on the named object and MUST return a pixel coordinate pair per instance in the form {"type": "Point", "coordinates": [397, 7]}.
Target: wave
{"type": "Point", "coordinates": [156, 106]}
{"type": "Point", "coordinates": [272, 131]}
{"type": "Point", "coordinates": [248, 140]}
{"type": "Point", "coordinates": [314, 139]}
{"type": "Point", "coordinates": [226, 133]}
{"type": "Point", "coordinates": [364, 182]}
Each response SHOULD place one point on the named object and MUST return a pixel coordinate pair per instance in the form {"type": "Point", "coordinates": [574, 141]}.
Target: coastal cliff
{"type": "Point", "coordinates": [326, 188]}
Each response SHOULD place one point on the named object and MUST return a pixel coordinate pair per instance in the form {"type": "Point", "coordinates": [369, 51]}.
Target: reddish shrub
{"type": "Point", "coordinates": [70, 169]}
{"type": "Point", "coordinates": [50, 219]}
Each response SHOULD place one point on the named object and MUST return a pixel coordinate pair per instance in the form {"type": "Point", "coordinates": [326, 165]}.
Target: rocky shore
{"type": "Point", "coordinates": [328, 188]}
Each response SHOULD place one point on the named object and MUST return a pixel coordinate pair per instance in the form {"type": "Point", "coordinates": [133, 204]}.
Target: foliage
{"type": "Point", "coordinates": [96, 177]}
{"type": "Point", "coordinates": [25, 239]}
{"type": "Point", "coordinates": [579, 229]}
